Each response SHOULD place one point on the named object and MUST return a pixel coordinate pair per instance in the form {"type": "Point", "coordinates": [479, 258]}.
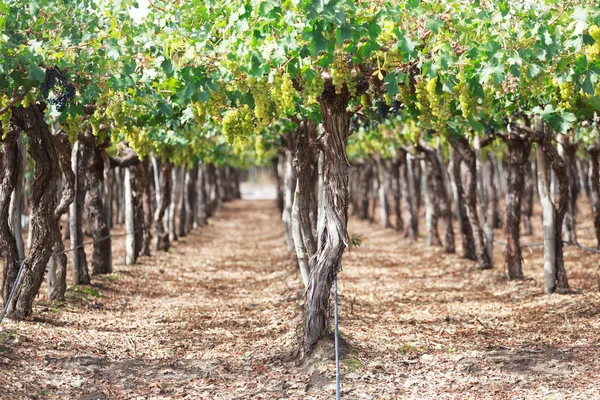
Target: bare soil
{"type": "Point", "coordinates": [217, 316]}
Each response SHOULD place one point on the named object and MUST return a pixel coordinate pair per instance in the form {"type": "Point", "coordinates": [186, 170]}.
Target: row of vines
{"type": "Point", "coordinates": [394, 88]}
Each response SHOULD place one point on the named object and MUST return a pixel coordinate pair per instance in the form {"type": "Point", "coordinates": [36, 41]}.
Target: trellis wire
{"type": "Point", "coordinates": [17, 280]}
{"type": "Point", "coordinates": [564, 242]}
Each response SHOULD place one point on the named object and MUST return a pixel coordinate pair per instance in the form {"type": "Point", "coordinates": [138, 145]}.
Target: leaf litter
{"type": "Point", "coordinates": [218, 316]}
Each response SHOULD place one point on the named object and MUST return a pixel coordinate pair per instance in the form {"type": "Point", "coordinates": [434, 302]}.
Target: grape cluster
{"type": "Point", "coordinates": [137, 140]}
{"type": "Point", "coordinates": [566, 94]}
{"type": "Point", "coordinates": [28, 100]}
{"type": "Point", "coordinates": [237, 124]}
{"type": "Point", "coordinates": [65, 96]}
{"type": "Point", "coordinates": [72, 127]}
{"type": "Point", "coordinates": [283, 94]}
{"type": "Point", "coordinates": [199, 112]}
{"type": "Point", "coordinates": [49, 82]}
{"type": "Point", "coordinates": [489, 128]}
{"type": "Point", "coordinates": [259, 147]}
{"type": "Point", "coordinates": [444, 114]}
{"type": "Point", "coordinates": [593, 52]}
{"type": "Point", "coordinates": [313, 89]}
{"type": "Point", "coordinates": [465, 101]}
{"type": "Point", "coordinates": [215, 103]}
{"type": "Point", "coordinates": [263, 107]}
{"type": "Point", "coordinates": [382, 110]}
{"type": "Point", "coordinates": [487, 104]}
{"type": "Point", "coordinates": [434, 99]}
{"type": "Point", "coordinates": [5, 118]}
{"type": "Point", "coordinates": [411, 131]}
{"type": "Point", "coordinates": [422, 98]}
{"type": "Point", "coordinates": [396, 106]}
{"type": "Point", "coordinates": [340, 74]}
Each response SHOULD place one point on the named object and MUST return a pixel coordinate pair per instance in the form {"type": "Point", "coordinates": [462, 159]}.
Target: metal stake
{"type": "Point", "coordinates": [337, 354]}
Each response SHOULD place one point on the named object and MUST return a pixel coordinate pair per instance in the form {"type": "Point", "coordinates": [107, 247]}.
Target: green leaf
{"type": "Point", "coordinates": [391, 84]}
{"type": "Point", "coordinates": [36, 73]}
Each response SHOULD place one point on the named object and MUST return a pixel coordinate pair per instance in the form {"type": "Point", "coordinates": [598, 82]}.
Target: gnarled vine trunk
{"type": "Point", "coordinates": [468, 244]}
{"type": "Point", "coordinates": [462, 148]}
{"type": "Point", "coordinates": [8, 244]}
{"type": "Point", "coordinates": [44, 208]}
{"type": "Point", "coordinates": [161, 236]}
{"type": "Point", "coordinates": [332, 231]}
{"type": "Point", "coordinates": [518, 156]}
{"type": "Point", "coordinates": [594, 152]}
{"type": "Point", "coordinates": [440, 193]}
{"type": "Point", "coordinates": [95, 213]}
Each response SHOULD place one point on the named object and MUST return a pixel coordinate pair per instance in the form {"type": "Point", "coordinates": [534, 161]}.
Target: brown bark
{"type": "Point", "coordinates": [462, 147]}
{"type": "Point", "coordinates": [560, 169]}
{"type": "Point", "coordinates": [439, 191]}
{"type": "Point", "coordinates": [332, 234]}
{"type": "Point", "coordinates": [192, 197]}
{"type": "Point", "coordinates": [64, 148]}
{"type": "Point", "coordinates": [397, 193]}
{"type": "Point", "coordinates": [8, 244]}
{"type": "Point", "coordinates": [94, 209]}
{"type": "Point", "coordinates": [412, 220]}
{"type": "Point", "coordinates": [147, 196]}
{"type": "Point", "coordinates": [138, 185]}
{"type": "Point", "coordinates": [570, 221]}
{"type": "Point", "coordinates": [518, 155]}
{"type": "Point", "coordinates": [278, 184]}
{"type": "Point", "coordinates": [85, 152]}
{"type": "Point", "coordinates": [43, 208]}
{"type": "Point", "coordinates": [493, 193]}
{"type": "Point", "coordinates": [305, 164]}
{"type": "Point", "coordinates": [527, 198]}
{"type": "Point", "coordinates": [594, 152]}
{"type": "Point", "coordinates": [365, 189]}
{"type": "Point", "coordinates": [468, 243]}
{"type": "Point", "coordinates": [161, 236]}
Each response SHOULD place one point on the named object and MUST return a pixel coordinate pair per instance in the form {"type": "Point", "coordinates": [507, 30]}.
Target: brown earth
{"type": "Point", "coordinates": [215, 317]}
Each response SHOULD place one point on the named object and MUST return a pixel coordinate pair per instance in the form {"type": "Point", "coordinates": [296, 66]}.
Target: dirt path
{"type": "Point", "coordinates": [212, 318]}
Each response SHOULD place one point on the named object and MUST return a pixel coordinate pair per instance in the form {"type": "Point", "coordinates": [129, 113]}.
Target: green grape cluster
{"type": "Point", "coordinates": [72, 126]}
{"type": "Point", "coordinates": [259, 147]}
{"type": "Point", "coordinates": [593, 52]}
{"type": "Point", "coordinates": [365, 101]}
{"type": "Point", "coordinates": [434, 99]}
{"type": "Point", "coordinates": [421, 93]}
{"type": "Point", "coordinates": [411, 131]}
{"type": "Point", "coordinates": [118, 111]}
{"type": "Point", "coordinates": [444, 115]}
{"type": "Point", "coordinates": [95, 122]}
{"type": "Point", "coordinates": [216, 101]}
{"type": "Point", "coordinates": [5, 118]}
{"type": "Point", "coordinates": [404, 94]}
{"type": "Point", "coordinates": [263, 106]}
{"type": "Point", "coordinates": [137, 140]}
{"type": "Point", "coordinates": [199, 112]}
{"type": "Point", "coordinates": [464, 99]}
{"type": "Point", "coordinates": [566, 94]}
{"type": "Point", "coordinates": [340, 74]}
{"type": "Point", "coordinates": [487, 105]}
{"type": "Point", "coordinates": [28, 100]}
{"type": "Point", "coordinates": [237, 124]}
{"type": "Point", "coordinates": [283, 94]}
{"type": "Point", "coordinates": [313, 89]}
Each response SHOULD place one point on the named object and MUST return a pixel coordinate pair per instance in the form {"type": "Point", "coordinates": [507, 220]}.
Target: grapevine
{"type": "Point", "coordinates": [5, 118]}
{"type": "Point", "coordinates": [72, 126]}
{"type": "Point", "coordinates": [283, 94]}
{"type": "Point", "coordinates": [237, 124]}
{"type": "Point", "coordinates": [340, 74]}
{"type": "Point", "coordinates": [466, 104]}
{"type": "Point", "coordinates": [263, 107]}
